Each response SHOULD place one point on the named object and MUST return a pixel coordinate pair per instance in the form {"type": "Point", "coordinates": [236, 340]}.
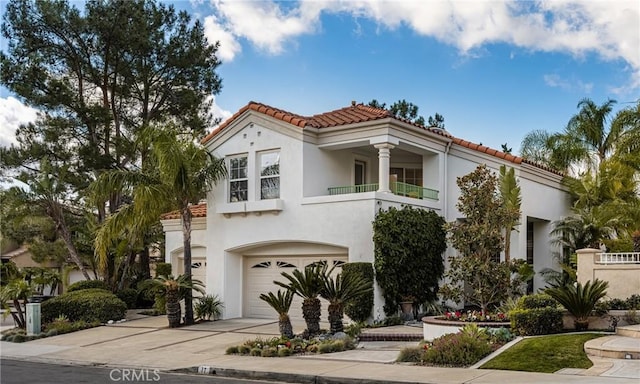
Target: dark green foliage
{"type": "Point", "coordinates": [270, 352]}
{"type": "Point", "coordinates": [411, 355]}
{"type": "Point", "coordinates": [409, 244]}
{"type": "Point", "coordinates": [284, 352]}
{"type": "Point", "coordinates": [326, 348]}
{"type": "Point", "coordinates": [232, 350]}
{"type": "Point", "coordinates": [633, 302]}
{"type": "Point", "coordinates": [537, 321]}
{"type": "Point", "coordinates": [88, 305]}
{"type": "Point", "coordinates": [244, 349]}
{"type": "Point", "coordinates": [538, 300]}
{"type": "Point", "coordinates": [255, 352]}
{"type": "Point", "coordinates": [359, 309]}
{"type": "Point", "coordinates": [457, 350]}
{"type": "Point", "coordinates": [129, 296]}
{"type": "Point", "coordinates": [163, 269]}
{"type": "Point", "coordinates": [580, 300]}
{"type": "Point", "coordinates": [208, 307]}
{"type": "Point", "coordinates": [88, 284]}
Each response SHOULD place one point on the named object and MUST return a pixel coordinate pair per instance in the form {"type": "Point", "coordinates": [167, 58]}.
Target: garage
{"type": "Point", "coordinates": [198, 265]}
{"type": "Point", "coordinates": [261, 271]}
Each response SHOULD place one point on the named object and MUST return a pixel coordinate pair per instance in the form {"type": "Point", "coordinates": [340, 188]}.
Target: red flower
{"type": "Point", "coordinates": [288, 344]}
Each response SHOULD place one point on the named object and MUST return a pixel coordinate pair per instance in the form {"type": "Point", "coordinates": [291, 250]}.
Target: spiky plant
{"type": "Point", "coordinates": [307, 285]}
{"type": "Point", "coordinates": [339, 291]}
{"type": "Point", "coordinates": [580, 300]}
{"type": "Point", "coordinates": [281, 302]}
{"type": "Point", "coordinates": [174, 289]}
{"type": "Point", "coordinates": [17, 291]}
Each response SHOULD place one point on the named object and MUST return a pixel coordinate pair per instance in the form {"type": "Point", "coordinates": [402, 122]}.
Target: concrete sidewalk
{"type": "Point", "coordinates": [150, 344]}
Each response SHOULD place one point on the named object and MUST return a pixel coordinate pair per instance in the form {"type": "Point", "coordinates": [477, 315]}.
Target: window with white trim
{"type": "Point", "coordinates": [238, 180]}
{"type": "Point", "coordinates": [269, 175]}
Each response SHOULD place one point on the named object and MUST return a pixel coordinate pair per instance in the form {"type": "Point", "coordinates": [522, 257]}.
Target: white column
{"type": "Point", "coordinates": [383, 166]}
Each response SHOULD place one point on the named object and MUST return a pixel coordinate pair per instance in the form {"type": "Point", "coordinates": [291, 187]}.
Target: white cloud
{"type": "Point", "coordinates": [218, 112]}
{"type": "Point", "coordinates": [214, 31]}
{"type": "Point", "coordinates": [554, 80]}
{"type": "Point", "coordinates": [610, 29]}
{"type": "Point", "coordinates": [12, 114]}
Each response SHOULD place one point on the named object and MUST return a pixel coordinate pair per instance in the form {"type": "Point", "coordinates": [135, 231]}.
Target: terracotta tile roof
{"type": "Point", "coordinates": [198, 210]}
{"type": "Point", "coordinates": [357, 113]}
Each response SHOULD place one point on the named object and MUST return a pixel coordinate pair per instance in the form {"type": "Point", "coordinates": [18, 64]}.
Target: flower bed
{"type": "Point", "coordinates": [282, 347]}
{"type": "Point", "coordinates": [438, 326]}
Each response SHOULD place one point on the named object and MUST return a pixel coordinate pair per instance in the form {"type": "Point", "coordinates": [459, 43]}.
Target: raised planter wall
{"type": "Point", "coordinates": [432, 327]}
{"type": "Point", "coordinates": [596, 322]}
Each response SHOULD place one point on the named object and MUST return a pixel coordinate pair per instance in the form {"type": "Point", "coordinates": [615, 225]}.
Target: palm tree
{"type": "Point", "coordinates": [511, 201]}
{"type": "Point", "coordinates": [281, 302]}
{"type": "Point", "coordinates": [17, 291]}
{"type": "Point", "coordinates": [580, 300]}
{"type": "Point", "coordinates": [173, 289]}
{"type": "Point", "coordinates": [308, 285]}
{"type": "Point", "coordinates": [339, 291]}
{"type": "Point", "coordinates": [178, 173]}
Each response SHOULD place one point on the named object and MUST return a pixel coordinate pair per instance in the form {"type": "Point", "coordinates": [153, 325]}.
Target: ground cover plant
{"type": "Point", "coordinates": [545, 354]}
{"type": "Point", "coordinates": [461, 349]}
{"type": "Point", "coordinates": [283, 346]}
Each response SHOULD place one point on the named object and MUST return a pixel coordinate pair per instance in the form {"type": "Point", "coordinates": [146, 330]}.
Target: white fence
{"type": "Point", "coordinates": [618, 258]}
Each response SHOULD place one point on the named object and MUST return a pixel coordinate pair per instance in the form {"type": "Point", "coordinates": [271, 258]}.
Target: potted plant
{"type": "Point", "coordinates": [406, 306]}
{"type": "Point", "coordinates": [580, 300]}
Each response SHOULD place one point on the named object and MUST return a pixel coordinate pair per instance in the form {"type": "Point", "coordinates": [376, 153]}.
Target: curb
{"type": "Point", "coordinates": [279, 377]}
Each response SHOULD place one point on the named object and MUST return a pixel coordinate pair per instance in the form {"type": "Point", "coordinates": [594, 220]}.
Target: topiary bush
{"type": "Point", "coordinates": [359, 310]}
{"type": "Point", "coordinates": [88, 284]}
{"type": "Point", "coordinates": [88, 305]}
{"type": "Point", "coordinates": [536, 321]}
{"type": "Point", "coordinates": [129, 296]}
{"type": "Point", "coordinates": [538, 300]}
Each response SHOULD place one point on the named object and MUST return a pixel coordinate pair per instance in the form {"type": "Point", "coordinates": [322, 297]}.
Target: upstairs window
{"type": "Point", "coordinates": [238, 181]}
{"type": "Point", "coordinates": [269, 175]}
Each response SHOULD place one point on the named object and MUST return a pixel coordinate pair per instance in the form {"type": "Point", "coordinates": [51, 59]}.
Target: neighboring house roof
{"type": "Point", "coordinates": [15, 253]}
{"type": "Point", "coordinates": [358, 113]}
{"type": "Point", "coordinates": [197, 210]}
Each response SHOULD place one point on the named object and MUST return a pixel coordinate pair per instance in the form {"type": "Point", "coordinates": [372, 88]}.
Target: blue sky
{"type": "Point", "coordinates": [494, 70]}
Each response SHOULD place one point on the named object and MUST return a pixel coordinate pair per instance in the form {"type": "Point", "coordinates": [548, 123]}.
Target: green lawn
{"type": "Point", "coordinates": [545, 354]}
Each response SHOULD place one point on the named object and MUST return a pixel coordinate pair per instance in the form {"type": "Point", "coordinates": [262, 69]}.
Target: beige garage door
{"type": "Point", "coordinates": [260, 272]}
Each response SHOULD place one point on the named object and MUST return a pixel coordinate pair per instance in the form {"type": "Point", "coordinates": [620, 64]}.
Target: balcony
{"type": "Point", "coordinates": [397, 188]}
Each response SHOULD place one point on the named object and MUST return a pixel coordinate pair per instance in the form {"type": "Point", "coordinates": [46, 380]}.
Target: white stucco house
{"type": "Point", "coordinates": [307, 188]}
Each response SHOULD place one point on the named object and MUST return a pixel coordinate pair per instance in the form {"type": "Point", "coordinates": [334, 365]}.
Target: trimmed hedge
{"type": "Point", "coordinates": [129, 296]}
{"type": "Point", "coordinates": [539, 300]}
{"type": "Point", "coordinates": [88, 284]}
{"type": "Point", "coordinates": [85, 305]}
{"type": "Point", "coordinates": [536, 321]}
{"type": "Point", "coordinates": [360, 309]}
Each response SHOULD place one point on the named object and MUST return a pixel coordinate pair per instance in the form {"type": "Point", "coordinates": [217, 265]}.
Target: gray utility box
{"type": "Point", "coordinates": [33, 319]}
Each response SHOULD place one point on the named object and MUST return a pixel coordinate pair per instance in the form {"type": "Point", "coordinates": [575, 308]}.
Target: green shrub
{"type": "Point", "coordinates": [284, 352]}
{"type": "Point", "coordinates": [163, 269]}
{"type": "Point", "coordinates": [338, 346]}
{"type": "Point", "coordinates": [632, 317]}
{"type": "Point", "coordinates": [457, 350]}
{"type": "Point", "coordinates": [313, 348]}
{"type": "Point", "coordinates": [538, 300]}
{"type": "Point", "coordinates": [88, 305]}
{"type": "Point", "coordinates": [536, 321]}
{"type": "Point", "coordinates": [270, 352]}
{"type": "Point", "coordinates": [359, 309]}
{"type": "Point", "coordinates": [88, 284]}
{"type": "Point", "coordinates": [411, 355]}
{"type": "Point", "coordinates": [244, 349]}
{"type": "Point", "coordinates": [256, 352]}
{"type": "Point", "coordinates": [353, 329]}
{"type": "Point", "coordinates": [231, 350]}
{"type": "Point", "coordinates": [129, 296]}
{"type": "Point", "coordinates": [208, 307]}
{"type": "Point", "coordinates": [326, 347]}
{"type": "Point", "coordinates": [633, 302]}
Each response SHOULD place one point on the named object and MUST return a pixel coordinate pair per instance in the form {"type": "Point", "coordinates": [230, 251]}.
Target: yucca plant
{"type": "Point", "coordinates": [174, 289]}
{"type": "Point", "coordinates": [208, 307]}
{"type": "Point", "coordinates": [339, 291]}
{"type": "Point", "coordinates": [307, 285]}
{"type": "Point", "coordinates": [580, 300]}
{"type": "Point", "coordinates": [281, 302]}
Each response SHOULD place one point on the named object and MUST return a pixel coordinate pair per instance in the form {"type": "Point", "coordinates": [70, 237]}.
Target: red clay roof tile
{"type": "Point", "coordinates": [197, 210]}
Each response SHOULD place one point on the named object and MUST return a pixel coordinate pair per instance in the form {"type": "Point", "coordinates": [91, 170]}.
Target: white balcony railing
{"type": "Point", "coordinates": [618, 258]}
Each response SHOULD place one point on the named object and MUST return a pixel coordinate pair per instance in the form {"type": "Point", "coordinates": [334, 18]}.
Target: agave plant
{"type": "Point", "coordinates": [174, 289]}
{"type": "Point", "coordinates": [281, 302]}
{"type": "Point", "coordinates": [308, 285]}
{"type": "Point", "coordinates": [339, 291]}
{"type": "Point", "coordinates": [580, 300]}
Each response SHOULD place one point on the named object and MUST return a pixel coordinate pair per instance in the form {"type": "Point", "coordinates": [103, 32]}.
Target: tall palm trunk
{"type": "Point", "coordinates": [336, 314]}
{"type": "Point", "coordinates": [284, 325]}
{"type": "Point", "coordinates": [186, 234]}
{"type": "Point", "coordinates": [311, 313]}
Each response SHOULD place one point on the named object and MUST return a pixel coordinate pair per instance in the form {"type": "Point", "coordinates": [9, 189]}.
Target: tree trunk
{"type": "Point", "coordinates": [186, 236]}
{"type": "Point", "coordinates": [73, 252]}
{"type": "Point", "coordinates": [311, 313]}
{"type": "Point", "coordinates": [20, 322]}
{"type": "Point", "coordinates": [144, 264]}
{"type": "Point", "coordinates": [174, 312]}
{"type": "Point", "coordinates": [336, 314]}
{"type": "Point", "coordinates": [507, 245]}
{"type": "Point", "coordinates": [284, 325]}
